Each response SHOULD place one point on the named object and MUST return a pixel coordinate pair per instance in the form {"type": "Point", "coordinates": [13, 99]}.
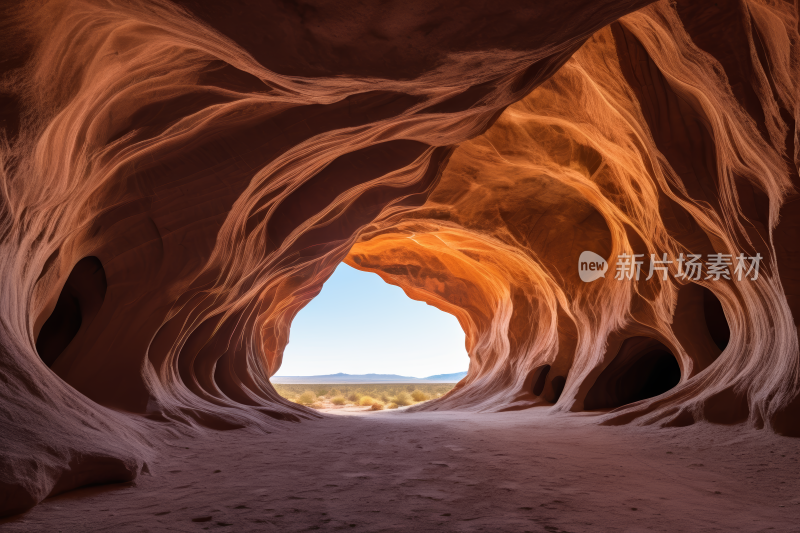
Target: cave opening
{"type": "Point", "coordinates": [545, 383]}
{"type": "Point", "coordinates": [716, 322]}
{"type": "Point", "coordinates": [78, 303]}
{"type": "Point", "coordinates": [643, 368]}
{"type": "Point", "coordinates": [539, 379]}
{"type": "Point", "coordinates": [363, 337]}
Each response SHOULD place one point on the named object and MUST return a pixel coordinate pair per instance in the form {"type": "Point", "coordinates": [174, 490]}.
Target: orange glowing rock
{"type": "Point", "coordinates": [637, 145]}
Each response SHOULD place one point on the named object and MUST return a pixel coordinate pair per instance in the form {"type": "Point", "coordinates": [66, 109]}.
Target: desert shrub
{"type": "Point", "coordinates": [392, 405]}
{"type": "Point", "coordinates": [420, 396]}
{"type": "Point", "coordinates": [377, 406]}
{"type": "Point", "coordinates": [366, 400]}
{"type": "Point", "coordinates": [318, 405]}
{"type": "Point", "coordinates": [383, 392]}
{"type": "Point", "coordinates": [307, 398]}
{"type": "Point", "coordinates": [338, 400]}
{"type": "Point", "coordinates": [354, 397]}
{"type": "Point", "coordinates": [402, 398]}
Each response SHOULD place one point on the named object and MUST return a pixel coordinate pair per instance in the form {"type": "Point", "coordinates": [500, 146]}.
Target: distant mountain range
{"type": "Point", "coordinates": [366, 378]}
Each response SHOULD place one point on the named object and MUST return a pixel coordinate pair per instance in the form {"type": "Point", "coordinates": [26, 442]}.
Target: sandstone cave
{"type": "Point", "coordinates": [180, 178]}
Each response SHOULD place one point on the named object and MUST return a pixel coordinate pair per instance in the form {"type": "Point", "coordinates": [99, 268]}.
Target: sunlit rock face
{"type": "Point", "coordinates": [179, 181]}
{"type": "Point", "coordinates": [655, 137]}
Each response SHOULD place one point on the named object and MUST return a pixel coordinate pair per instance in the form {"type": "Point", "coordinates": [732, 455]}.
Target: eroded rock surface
{"type": "Point", "coordinates": [179, 181]}
{"type": "Point", "coordinates": [642, 143]}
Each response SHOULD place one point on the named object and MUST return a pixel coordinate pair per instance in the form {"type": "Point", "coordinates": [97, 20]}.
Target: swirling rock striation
{"type": "Point", "coordinates": [180, 180]}
{"type": "Point", "coordinates": [642, 143]}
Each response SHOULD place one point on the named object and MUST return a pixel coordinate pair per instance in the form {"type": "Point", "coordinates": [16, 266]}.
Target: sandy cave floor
{"type": "Point", "coordinates": [399, 471]}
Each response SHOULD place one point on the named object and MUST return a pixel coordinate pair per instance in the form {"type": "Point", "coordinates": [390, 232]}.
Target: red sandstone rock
{"type": "Point", "coordinates": [218, 165]}
{"type": "Point", "coordinates": [636, 145]}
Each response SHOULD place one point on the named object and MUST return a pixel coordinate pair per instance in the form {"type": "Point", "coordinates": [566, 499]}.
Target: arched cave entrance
{"type": "Point", "coordinates": [643, 368]}
{"type": "Point", "coordinates": [363, 341]}
{"type": "Point", "coordinates": [78, 303]}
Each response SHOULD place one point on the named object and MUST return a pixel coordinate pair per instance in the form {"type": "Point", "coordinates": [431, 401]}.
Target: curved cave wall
{"type": "Point", "coordinates": [218, 173]}
{"type": "Point", "coordinates": [637, 145]}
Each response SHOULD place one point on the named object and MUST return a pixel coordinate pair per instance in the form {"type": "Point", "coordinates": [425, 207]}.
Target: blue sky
{"type": "Point", "coordinates": [360, 325]}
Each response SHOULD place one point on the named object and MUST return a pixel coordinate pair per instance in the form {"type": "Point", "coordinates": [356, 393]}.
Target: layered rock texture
{"type": "Point", "coordinates": [179, 180]}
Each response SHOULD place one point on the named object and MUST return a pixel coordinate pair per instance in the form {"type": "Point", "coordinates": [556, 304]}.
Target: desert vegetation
{"type": "Point", "coordinates": [374, 396]}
